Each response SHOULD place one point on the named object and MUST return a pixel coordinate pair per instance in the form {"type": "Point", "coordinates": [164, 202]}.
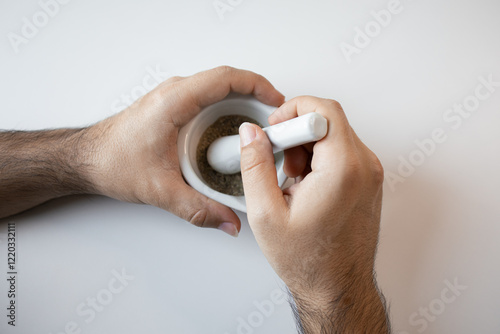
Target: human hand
{"type": "Point", "coordinates": [320, 235]}
{"type": "Point", "coordinates": [132, 156]}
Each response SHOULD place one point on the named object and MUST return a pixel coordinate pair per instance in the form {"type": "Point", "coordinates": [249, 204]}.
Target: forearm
{"type": "Point", "coordinates": [36, 166]}
{"type": "Point", "coordinates": [357, 307]}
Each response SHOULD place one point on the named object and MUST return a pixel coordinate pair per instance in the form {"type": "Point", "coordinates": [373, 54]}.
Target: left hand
{"type": "Point", "coordinates": [132, 156]}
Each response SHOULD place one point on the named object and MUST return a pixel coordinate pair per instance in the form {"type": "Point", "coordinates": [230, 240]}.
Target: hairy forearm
{"type": "Point", "coordinates": [357, 307]}
{"type": "Point", "coordinates": [36, 166]}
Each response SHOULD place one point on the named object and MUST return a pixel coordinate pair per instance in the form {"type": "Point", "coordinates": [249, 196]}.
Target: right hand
{"type": "Point", "coordinates": [320, 235]}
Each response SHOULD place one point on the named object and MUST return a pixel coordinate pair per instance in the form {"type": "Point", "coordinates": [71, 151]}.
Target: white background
{"type": "Point", "coordinates": [440, 224]}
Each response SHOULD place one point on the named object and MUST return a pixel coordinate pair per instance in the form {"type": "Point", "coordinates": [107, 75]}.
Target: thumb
{"type": "Point", "coordinates": [260, 183]}
{"type": "Point", "coordinates": [199, 210]}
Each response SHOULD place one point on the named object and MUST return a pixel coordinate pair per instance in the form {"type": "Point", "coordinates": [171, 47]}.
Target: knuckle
{"type": "Point", "coordinates": [377, 170]}
{"type": "Point", "coordinates": [164, 86]}
{"type": "Point", "coordinates": [261, 213]}
{"type": "Point", "coordinates": [154, 97]}
{"type": "Point", "coordinates": [253, 168]}
{"type": "Point", "coordinates": [332, 104]}
{"type": "Point", "coordinates": [198, 217]}
{"type": "Point", "coordinates": [173, 79]}
{"type": "Point", "coordinates": [302, 99]}
{"type": "Point", "coordinates": [252, 162]}
{"type": "Point", "coordinates": [225, 70]}
{"type": "Point", "coordinates": [152, 189]}
{"type": "Point", "coordinates": [314, 102]}
{"type": "Point", "coordinates": [363, 171]}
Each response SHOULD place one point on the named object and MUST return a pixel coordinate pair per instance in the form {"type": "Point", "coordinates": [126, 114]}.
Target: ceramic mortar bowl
{"type": "Point", "coordinates": [190, 134]}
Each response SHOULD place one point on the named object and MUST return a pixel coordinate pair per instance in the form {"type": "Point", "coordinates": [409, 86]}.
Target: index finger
{"type": "Point", "coordinates": [208, 87]}
{"type": "Point", "coordinates": [339, 138]}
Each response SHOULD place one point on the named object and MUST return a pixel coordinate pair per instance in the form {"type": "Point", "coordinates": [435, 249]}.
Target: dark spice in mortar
{"type": "Point", "coordinates": [224, 126]}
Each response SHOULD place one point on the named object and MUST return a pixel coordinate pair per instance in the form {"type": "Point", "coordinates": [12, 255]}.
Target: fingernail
{"type": "Point", "coordinates": [229, 228]}
{"type": "Point", "coordinates": [247, 134]}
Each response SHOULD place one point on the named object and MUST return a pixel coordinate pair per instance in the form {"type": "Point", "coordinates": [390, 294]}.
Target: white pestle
{"type": "Point", "coordinates": [223, 155]}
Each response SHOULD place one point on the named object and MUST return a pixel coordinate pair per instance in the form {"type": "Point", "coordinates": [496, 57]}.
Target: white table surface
{"type": "Point", "coordinates": [439, 227]}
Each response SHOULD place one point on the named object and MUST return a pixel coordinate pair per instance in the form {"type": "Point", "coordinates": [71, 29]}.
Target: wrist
{"type": "Point", "coordinates": [83, 151]}
{"type": "Point", "coordinates": [351, 303]}
{"type": "Point", "coordinates": [67, 153]}
{"type": "Point", "coordinates": [331, 272]}
{"type": "Point", "coordinates": [320, 289]}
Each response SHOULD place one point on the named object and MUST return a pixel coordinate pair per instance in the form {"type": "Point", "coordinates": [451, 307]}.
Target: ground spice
{"type": "Point", "coordinates": [224, 126]}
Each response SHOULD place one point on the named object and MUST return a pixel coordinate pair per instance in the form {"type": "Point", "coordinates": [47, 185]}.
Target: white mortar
{"type": "Point", "coordinates": [190, 134]}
